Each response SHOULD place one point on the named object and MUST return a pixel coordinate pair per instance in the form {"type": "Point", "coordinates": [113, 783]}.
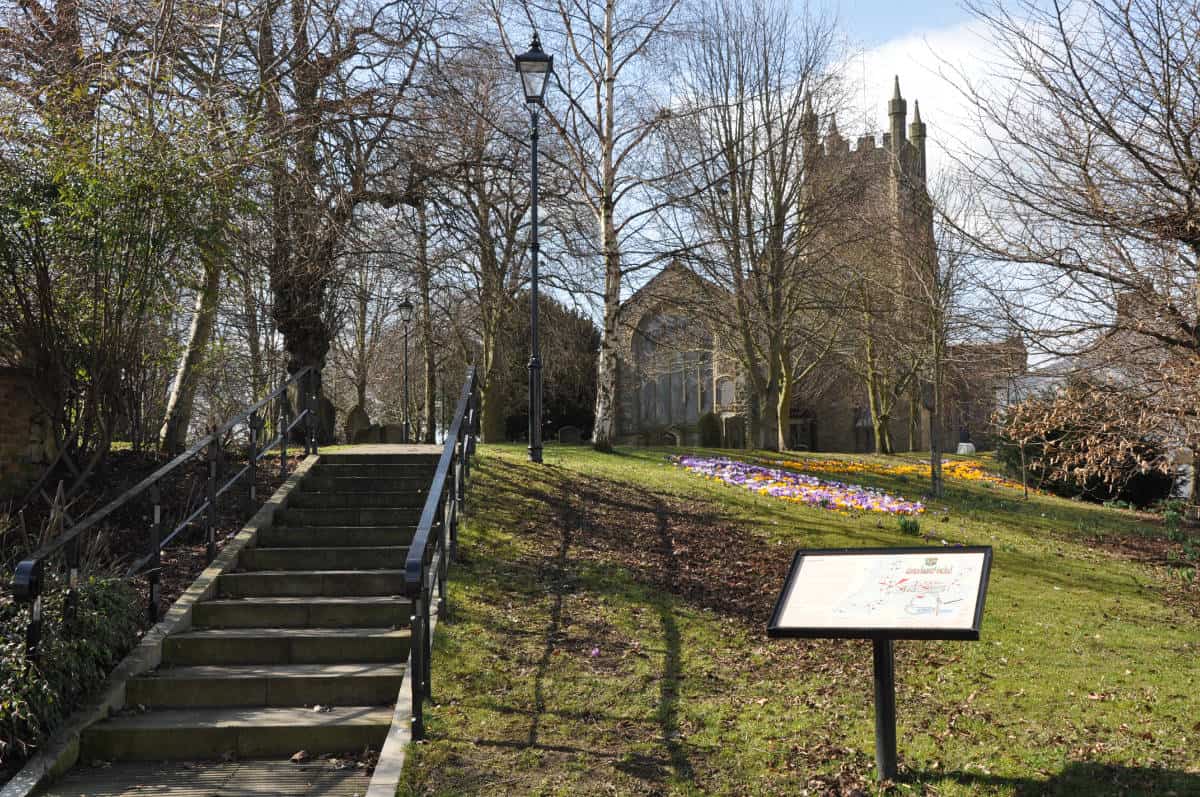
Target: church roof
{"type": "Point", "coordinates": [664, 288]}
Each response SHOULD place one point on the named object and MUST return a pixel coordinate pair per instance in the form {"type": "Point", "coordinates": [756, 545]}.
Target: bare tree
{"type": "Point", "coordinates": [334, 78]}
{"type": "Point", "coordinates": [1092, 221]}
{"type": "Point", "coordinates": [604, 113]}
{"type": "Point", "coordinates": [485, 211]}
{"type": "Point", "coordinates": [754, 211]}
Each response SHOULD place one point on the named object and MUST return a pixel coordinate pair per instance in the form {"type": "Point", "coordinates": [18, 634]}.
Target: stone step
{"type": "Point", "coordinates": [335, 558]}
{"type": "Point", "coordinates": [325, 499]}
{"type": "Point", "coordinates": [428, 458]}
{"type": "Point", "coordinates": [315, 612]}
{"type": "Point", "coordinates": [350, 516]}
{"type": "Point", "coordinates": [319, 480]}
{"type": "Point", "coordinates": [334, 536]}
{"type": "Point", "coordinates": [375, 470]}
{"type": "Point", "coordinates": [299, 583]}
{"type": "Point", "coordinates": [363, 684]}
{"type": "Point", "coordinates": [235, 732]}
{"type": "Point", "coordinates": [277, 777]}
{"type": "Point", "coordinates": [285, 646]}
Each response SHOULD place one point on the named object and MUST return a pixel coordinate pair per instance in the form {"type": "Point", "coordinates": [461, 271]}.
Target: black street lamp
{"type": "Point", "coordinates": [534, 68]}
{"type": "Point", "coordinates": [406, 311]}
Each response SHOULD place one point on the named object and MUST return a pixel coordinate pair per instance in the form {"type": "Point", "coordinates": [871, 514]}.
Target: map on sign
{"type": "Point", "coordinates": [904, 592]}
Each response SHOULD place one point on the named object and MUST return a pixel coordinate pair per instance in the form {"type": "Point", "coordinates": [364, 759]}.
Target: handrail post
{"type": "Point", "coordinates": [71, 601]}
{"type": "Point", "coordinates": [449, 518]}
{"type": "Point", "coordinates": [427, 641]}
{"type": "Point", "coordinates": [460, 487]}
{"type": "Point", "coordinates": [304, 405]}
{"type": "Point", "coordinates": [283, 430]}
{"type": "Point", "coordinates": [210, 516]}
{"type": "Point", "coordinates": [314, 384]}
{"type": "Point", "coordinates": [452, 531]}
{"type": "Point", "coordinates": [418, 667]}
{"type": "Point", "coordinates": [255, 423]}
{"type": "Point", "coordinates": [33, 632]}
{"type": "Point", "coordinates": [154, 573]}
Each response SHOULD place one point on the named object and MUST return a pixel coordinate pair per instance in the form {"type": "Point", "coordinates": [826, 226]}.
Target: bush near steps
{"type": "Point", "coordinates": [74, 659]}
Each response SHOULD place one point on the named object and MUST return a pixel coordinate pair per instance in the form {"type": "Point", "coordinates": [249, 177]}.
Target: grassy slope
{"type": "Point", "coordinates": [573, 666]}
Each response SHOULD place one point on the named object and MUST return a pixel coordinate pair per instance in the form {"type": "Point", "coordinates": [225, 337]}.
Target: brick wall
{"type": "Point", "coordinates": [26, 442]}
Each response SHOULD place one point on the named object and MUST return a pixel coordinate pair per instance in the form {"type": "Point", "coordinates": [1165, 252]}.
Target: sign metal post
{"type": "Point", "coordinates": [884, 594]}
{"type": "Point", "coordinates": [885, 709]}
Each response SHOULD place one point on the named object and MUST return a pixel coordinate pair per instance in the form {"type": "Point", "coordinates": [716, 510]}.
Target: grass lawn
{"type": "Point", "coordinates": [608, 637]}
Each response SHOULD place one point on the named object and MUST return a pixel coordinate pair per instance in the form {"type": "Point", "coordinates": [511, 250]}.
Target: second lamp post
{"type": "Point", "coordinates": [534, 68]}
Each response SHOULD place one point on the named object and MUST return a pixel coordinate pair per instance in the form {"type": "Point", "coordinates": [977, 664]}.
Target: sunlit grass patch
{"type": "Point", "coordinates": [608, 637]}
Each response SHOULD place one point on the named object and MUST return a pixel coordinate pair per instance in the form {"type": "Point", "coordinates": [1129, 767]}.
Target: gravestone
{"type": "Point", "coordinates": [356, 421]}
{"type": "Point", "coordinates": [392, 433]}
{"type": "Point", "coordinates": [966, 449]}
{"type": "Point", "coordinates": [371, 434]}
{"type": "Point", "coordinates": [570, 436]}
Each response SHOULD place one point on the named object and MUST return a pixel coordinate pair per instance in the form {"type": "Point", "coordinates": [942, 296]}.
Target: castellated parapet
{"type": "Point", "coordinates": [898, 146]}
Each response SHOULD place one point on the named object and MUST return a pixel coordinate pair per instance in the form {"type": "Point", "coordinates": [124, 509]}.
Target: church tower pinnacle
{"type": "Point", "coordinates": [897, 111]}
{"type": "Point", "coordinates": [916, 131]}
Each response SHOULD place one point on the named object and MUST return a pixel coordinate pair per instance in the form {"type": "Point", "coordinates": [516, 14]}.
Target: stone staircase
{"type": "Point", "coordinates": [303, 646]}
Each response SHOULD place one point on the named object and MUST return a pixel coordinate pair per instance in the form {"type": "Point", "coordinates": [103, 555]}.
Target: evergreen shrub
{"type": "Point", "coordinates": [74, 658]}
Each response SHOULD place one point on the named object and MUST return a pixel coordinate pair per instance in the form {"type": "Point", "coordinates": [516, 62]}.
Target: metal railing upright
{"type": "Point", "coordinates": [435, 542]}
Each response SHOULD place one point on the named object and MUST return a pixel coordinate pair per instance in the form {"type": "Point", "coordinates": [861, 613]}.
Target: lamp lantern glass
{"type": "Point", "coordinates": [406, 311]}
{"type": "Point", "coordinates": [534, 67]}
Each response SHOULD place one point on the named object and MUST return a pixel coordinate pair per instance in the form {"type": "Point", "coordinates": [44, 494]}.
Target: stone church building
{"type": "Point", "coordinates": [674, 369]}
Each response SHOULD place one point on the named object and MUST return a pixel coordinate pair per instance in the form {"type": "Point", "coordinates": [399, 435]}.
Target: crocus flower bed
{"type": "Point", "coordinates": [798, 487]}
{"type": "Point", "coordinates": [965, 470]}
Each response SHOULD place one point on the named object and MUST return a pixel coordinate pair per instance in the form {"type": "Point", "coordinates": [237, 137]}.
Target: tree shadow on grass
{"type": "Point", "coordinates": [556, 573]}
{"type": "Point", "coordinates": [668, 703]}
{"type": "Point", "coordinates": [1085, 777]}
{"type": "Point", "coordinates": [566, 516]}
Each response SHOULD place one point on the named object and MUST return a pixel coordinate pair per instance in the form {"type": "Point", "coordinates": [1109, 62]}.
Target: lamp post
{"type": "Point", "coordinates": [534, 68]}
{"type": "Point", "coordinates": [406, 311]}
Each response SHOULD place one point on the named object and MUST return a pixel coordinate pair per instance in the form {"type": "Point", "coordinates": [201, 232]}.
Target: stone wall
{"type": "Point", "coordinates": [26, 439]}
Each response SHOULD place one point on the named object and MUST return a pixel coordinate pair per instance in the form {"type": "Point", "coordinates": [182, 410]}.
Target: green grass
{"type": "Point", "coordinates": [608, 637]}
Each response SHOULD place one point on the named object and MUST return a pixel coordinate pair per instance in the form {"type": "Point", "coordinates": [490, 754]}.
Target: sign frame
{"type": "Point", "coordinates": [777, 631]}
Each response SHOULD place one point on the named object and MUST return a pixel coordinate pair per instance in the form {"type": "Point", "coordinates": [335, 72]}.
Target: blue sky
{"type": "Point", "coordinates": [873, 22]}
{"type": "Point", "coordinates": [932, 45]}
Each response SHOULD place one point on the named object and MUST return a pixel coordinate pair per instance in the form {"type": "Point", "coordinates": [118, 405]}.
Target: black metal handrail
{"type": "Point", "coordinates": [435, 541]}
{"type": "Point", "coordinates": [28, 579]}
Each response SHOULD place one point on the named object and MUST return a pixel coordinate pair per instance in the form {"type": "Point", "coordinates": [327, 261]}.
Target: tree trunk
{"type": "Point", "coordinates": [605, 429]}
{"type": "Point", "coordinates": [172, 436]}
{"type": "Point", "coordinates": [936, 482]}
{"type": "Point", "coordinates": [914, 423]}
{"type": "Point", "coordinates": [770, 416]}
{"type": "Point", "coordinates": [754, 416]}
{"type": "Point", "coordinates": [423, 284]}
{"type": "Point", "coordinates": [258, 377]}
{"type": "Point", "coordinates": [883, 434]}
{"type": "Point", "coordinates": [491, 421]}
{"type": "Point", "coordinates": [1194, 492]}
{"type": "Point", "coordinates": [784, 415]}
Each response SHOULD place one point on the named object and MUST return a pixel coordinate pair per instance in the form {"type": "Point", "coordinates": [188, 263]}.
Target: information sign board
{"type": "Point", "coordinates": [884, 593]}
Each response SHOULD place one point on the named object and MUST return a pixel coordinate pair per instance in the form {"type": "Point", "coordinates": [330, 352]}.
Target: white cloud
{"type": "Point", "coordinates": [933, 66]}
